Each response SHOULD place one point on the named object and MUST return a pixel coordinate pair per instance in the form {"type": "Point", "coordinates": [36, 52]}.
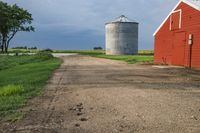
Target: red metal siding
{"type": "Point", "coordinates": [178, 49]}
{"type": "Point", "coordinates": [171, 46]}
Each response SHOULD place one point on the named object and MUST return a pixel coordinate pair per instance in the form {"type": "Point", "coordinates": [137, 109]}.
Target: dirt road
{"type": "Point", "coordinates": [91, 95]}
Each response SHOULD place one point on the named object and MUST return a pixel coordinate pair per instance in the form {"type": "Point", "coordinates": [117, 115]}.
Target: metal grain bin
{"type": "Point", "coordinates": [121, 37]}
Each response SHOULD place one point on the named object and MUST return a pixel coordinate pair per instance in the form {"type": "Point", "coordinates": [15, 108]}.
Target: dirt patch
{"type": "Point", "coordinates": [87, 95]}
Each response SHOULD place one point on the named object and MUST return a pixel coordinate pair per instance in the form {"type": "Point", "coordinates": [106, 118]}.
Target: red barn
{"type": "Point", "coordinates": [177, 40]}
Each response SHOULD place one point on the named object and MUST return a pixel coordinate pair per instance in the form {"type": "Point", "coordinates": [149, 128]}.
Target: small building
{"type": "Point", "coordinates": [177, 40]}
{"type": "Point", "coordinates": [121, 36]}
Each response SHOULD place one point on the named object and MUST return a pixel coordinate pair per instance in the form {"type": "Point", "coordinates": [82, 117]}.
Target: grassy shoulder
{"type": "Point", "coordinates": [22, 77]}
{"type": "Point", "coordinates": [143, 55]}
{"type": "Point", "coordinates": [131, 59]}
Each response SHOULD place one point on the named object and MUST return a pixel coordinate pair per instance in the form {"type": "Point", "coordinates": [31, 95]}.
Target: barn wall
{"type": "Point", "coordinates": [164, 39]}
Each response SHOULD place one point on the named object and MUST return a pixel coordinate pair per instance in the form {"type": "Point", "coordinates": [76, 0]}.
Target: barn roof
{"type": "Point", "coordinates": [193, 3]}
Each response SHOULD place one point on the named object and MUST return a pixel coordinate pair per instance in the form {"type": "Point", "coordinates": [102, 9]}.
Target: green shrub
{"type": "Point", "coordinates": [47, 50]}
{"type": "Point", "coordinates": [44, 55]}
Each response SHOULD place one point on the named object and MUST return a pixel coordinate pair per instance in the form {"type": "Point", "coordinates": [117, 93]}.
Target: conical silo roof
{"type": "Point", "coordinates": [122, 19]}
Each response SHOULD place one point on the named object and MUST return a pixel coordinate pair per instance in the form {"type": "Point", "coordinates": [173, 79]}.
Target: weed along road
{"type": "Point", "coordinates": [93, 95]}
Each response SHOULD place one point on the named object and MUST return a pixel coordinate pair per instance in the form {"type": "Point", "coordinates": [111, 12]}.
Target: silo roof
{"type": "Point", "coordinates": [122, 19]}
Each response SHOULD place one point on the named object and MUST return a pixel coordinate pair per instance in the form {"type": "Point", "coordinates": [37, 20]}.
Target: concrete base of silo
{"type": "Point", "coordinates": [120, 53]}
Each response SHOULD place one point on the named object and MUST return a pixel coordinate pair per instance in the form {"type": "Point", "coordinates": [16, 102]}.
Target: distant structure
{"type": "Point", "coordinates": [177, 39]}
{"type": "Point", "coordinates": [121, 36]}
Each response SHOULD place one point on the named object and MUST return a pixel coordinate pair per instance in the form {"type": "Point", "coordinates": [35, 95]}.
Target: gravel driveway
{"type": "Point", "coordinates": [92, 95]}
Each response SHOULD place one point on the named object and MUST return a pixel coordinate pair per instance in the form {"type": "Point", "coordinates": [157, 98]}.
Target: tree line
{"type": "Point", "coordinates": [12, 20]}
{"type": "Point", "coordinates": [24, 47]}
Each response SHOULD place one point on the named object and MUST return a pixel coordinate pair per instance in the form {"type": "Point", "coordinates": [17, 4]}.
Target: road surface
{"type": "Point", "coordinates": [92, 95]}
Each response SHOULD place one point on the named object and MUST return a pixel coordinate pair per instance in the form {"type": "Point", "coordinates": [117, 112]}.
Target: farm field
{"type": "Point", "coordinates": [88, 94]}
{"type": "Point", "coordinates": [22, 77]}
{"type": "Point", "coordinates": [144, 56]}
{"type": "Point", "coordinates": [75, 67]}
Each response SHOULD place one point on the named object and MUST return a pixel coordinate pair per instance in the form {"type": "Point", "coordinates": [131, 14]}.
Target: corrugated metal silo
{"type": "Point", "coordinates": [122, 37]}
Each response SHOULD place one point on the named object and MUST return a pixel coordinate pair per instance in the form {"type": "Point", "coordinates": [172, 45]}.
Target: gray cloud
{"type": "Point", "coordinates": [66, 18]}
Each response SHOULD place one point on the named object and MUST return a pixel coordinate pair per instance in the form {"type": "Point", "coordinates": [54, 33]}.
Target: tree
{"type": "Point", "coordinates": [97, 48]}
{"type": "Point", "coordinates": [3, 16]}
{"type": "Point", "coordinates": [1, 41]}
{"type": "Point", "coordinates": [12, 20]}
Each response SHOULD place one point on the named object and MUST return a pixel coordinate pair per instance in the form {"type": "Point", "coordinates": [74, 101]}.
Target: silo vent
{"type": "Point", "coordinates": [122, 19]}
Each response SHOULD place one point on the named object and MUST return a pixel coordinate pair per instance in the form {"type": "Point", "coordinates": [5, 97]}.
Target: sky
{"type": "Point", "coordinates": [80, 24]}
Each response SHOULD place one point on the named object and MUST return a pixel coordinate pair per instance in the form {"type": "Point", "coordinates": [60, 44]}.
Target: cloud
{"type": "Point", "coordinates": [66, 18]}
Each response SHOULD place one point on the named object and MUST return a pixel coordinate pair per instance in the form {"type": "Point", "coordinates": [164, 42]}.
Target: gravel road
{"type": "Point", "coordinates": [92, 95]}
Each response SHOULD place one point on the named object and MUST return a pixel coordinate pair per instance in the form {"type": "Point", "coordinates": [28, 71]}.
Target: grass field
{"type": "Point", "coordinates": [143, 55]}
{"type": "Point", "coordinates": [23, 50]}
{"type": "Point", "coordinates": [131, 59]}
{"type": "Point", "coordinates": [22, 77]}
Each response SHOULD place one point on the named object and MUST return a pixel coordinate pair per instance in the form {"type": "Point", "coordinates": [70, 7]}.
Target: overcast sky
{"type": "Point", "coordinates": [79, 24]}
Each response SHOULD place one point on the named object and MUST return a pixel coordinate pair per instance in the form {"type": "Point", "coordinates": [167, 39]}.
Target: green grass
{"type": "Point", "coordinates": [12, 61]}
{"type": "Point", "coordinates": [146, 52]}
{"type": "Point", "coordinates": [83, 52]}
{"type": "Point", "coordinates": [22, 77]}
{"type": "Point", "coordinates": [23, 50]}
{"type": "Point", "coordinates": [143, 55]}
{"type": "Point", "coordinates": [131, 59]}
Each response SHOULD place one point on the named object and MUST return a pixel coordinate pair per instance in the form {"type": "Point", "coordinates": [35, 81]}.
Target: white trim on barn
{"type": "Point", "coordinates": [180, 19]}
{"type": "Point", "coordinates": [189, 2]}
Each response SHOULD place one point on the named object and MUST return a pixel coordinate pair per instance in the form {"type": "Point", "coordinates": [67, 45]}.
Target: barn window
{"type": "Point", "coordinates": [175, 20]}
